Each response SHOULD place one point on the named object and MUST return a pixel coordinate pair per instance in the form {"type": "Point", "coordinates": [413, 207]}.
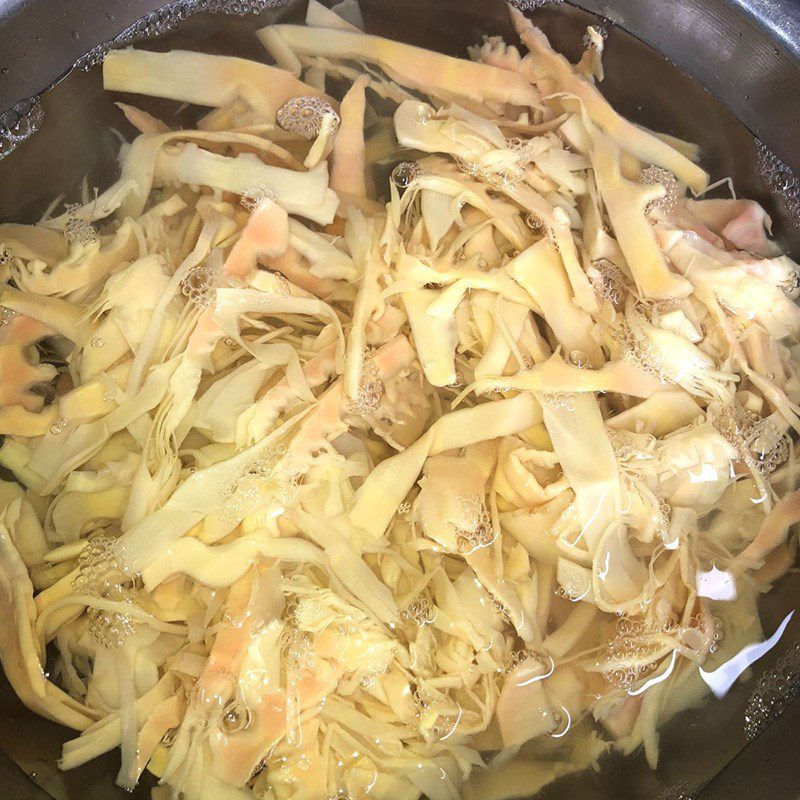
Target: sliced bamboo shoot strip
{"type": "Point", "coordinates": [580, 440]}
{"type": "Point", "coordinates": [303, 193]}
{"type": "Point", "coordinates": [348, 175]}
{"type": "Point", "coordinates": [203, 79]}
{"type": "Point", "coordinates": [426, 71]}
{"type": "Point", "coordinates": [645, 146]}
{"type": "Point", "coordinates": [626, 203]}
{"type": "Point", "coordinates": [389, 483]}
{"type": "Point", "coordinates": [540, 272]}
{"type": "Point", "coordinates": [555, 375]}
{"type": "Point", "coordinates": [435, 338]}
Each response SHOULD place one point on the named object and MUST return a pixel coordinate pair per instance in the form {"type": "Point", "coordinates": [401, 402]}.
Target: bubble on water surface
{"type": "Point", "coordinates": [166, 19]}
{"type": "Point", "coordinates": [758, 442]}
{"type": "Point", "coordinates": [419, 611]}
{"type": "Point", "coordinates": [656, 176]}
{"type": "Point", "coordinates": [532, 5]}
{"type": "Point", "coordinates": [683, 791]}
{"type": "Point", "coordinates": [780, 179]}
{"type": "Point", "coordinates": [773, 694]}
{"type": "Point", "coordinates": [370, 391]}
{"type": "Point", "coordinates": [609, 283]}
{"type": "Point", "coordinates": [100, 575]}
{"type": "Point", "coordinates": [534, 222]}
{"type": "Point", "coordinates": [200, 284]}
{"type": "Point", "coordinates": [236, 718]}
{"type": "Point", "coordinates": [19, 123]}
{"type": "Point", "coordinates": [252, 197]}
{"type": "Point", "coordinates": [78, 230]}
{"type": "Point", "coordinates": [565, 400]}
{"type": "Point", "coordinates": [474, 529]}
{"type": "Point", "coordinates": [405, 173]}
{"type": "Point", "coordinates": [304, 116]}
{"type": "Point", "coordinates": [7, 315]}
{"type": "Point", "coordinates": [577, 358]}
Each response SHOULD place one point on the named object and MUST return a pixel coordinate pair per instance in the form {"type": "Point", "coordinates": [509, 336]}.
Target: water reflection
{"type": "Point", "coordinates": [658, 679]}
{"type": "Point", "coordinates": [716, 584]}
{"type": "Point", "coordinates": [455, 724]}
{"type": "Point", "coordinates": [722, 678]}
{"type": "Point", "coordinates": [540, 677]}
{"type": "Point", "coordinates": [566, 727]}
{"type": "Point", "coordinates": [707, 473]}
{"type": "Point", "coordinates": [371, 785]}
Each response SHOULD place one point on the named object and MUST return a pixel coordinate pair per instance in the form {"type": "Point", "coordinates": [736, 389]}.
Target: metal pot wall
{"type": "Point", "coordinates": [741, 104]}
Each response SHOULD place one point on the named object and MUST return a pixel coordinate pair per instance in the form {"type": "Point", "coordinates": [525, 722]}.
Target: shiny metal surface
{"type": "Point", "coordinates": [745, 54]}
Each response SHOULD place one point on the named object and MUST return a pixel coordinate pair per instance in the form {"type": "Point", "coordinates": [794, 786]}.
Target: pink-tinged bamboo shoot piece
{"type": "Point", "coordinates": [423, 70]}
{"type": "Point", "coordinates": [348, 175]}
{"type": "Point", "coordinates": [166, 716]}
{"type": "Point", "coordinates": [645, 146]}
{"type": "Point", "coordinates": [684, 221]}
{"type": "Point", "coordinates": [743, 223]}
{"type": "Point", "coordinates": [774, 531]}
{"type": "Point", "coordinates": [258, 420]}
{"type": "Point", "coordinates": [237, 755]}
{"type": "Point", "coordinates": [229, 647]}
{"type": "Point", "coordinates": [325, 421]}
{"type": "Point", "coordinates": [59, 316]}
{"type": "Point", "coordinates": [385, 327]}
{"type": "Point", "coordinates": [295, 267]}
{"type": "Point", "coordinates": [777, 563]}
{"type": "Point", "coordinates": [265, 235]}
{"type": "Point", "coordinates": [523, 711]}
{"type": "Point", "coordinates": [203, 79]}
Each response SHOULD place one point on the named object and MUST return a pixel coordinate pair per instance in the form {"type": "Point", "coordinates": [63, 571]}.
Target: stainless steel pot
{"type": "Point", "coordinates": [723, 73]}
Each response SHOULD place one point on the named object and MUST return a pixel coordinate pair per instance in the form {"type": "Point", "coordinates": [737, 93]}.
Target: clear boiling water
{"type": "Point", "coordinates": [744, 717]}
